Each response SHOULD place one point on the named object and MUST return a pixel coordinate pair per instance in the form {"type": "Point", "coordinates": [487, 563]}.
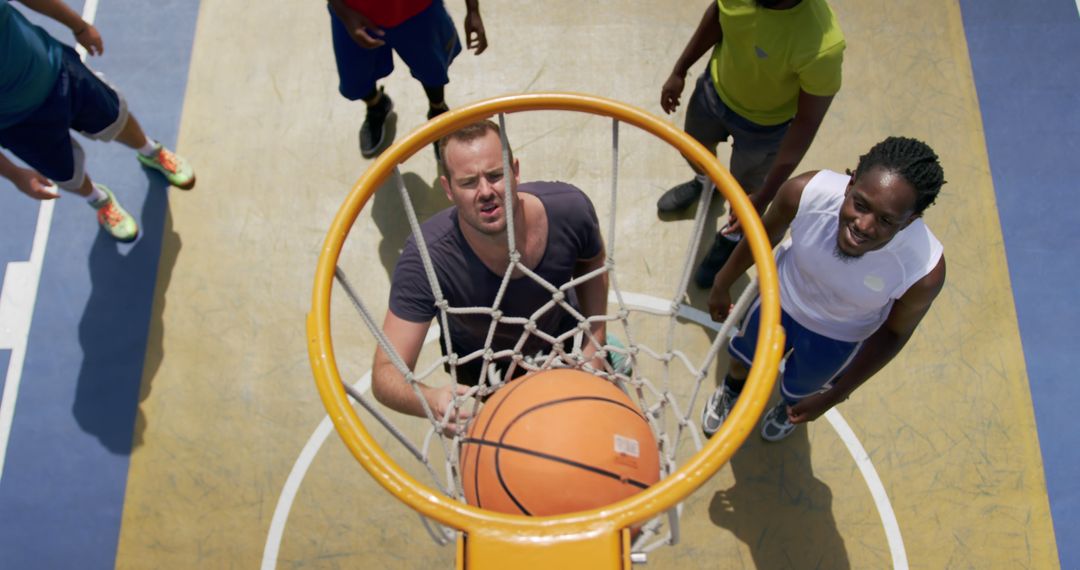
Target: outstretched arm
{"type": "Point", "coordinates": [882, 346]}
{"type": "Point", "coordinates": [707, 35]}
{"type": "Point", "coordinates": [85, 33]}
{"type": "Point", "coordinates": [389, 385]}
{"type": "Point", "coordinates": [793, 147]}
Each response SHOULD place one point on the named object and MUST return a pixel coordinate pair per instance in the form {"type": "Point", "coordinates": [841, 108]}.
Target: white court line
{"type": "Point", "coordinates": [18, 295]}
{"type": "Point", "coordinates": [635, 300]}
{"type": "Point", "coordinates": [292, 484]}
{"type": "Point", "coordinates": [877, 489]}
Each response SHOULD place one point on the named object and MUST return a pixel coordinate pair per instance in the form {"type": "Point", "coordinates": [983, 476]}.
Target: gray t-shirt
{"type": "Point", "coordinates": [573, 235]}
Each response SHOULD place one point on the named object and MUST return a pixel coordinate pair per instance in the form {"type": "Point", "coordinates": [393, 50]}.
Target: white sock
{"type": "Point", "coordinates": [702, 179]}
{"type": "Point", "coordinates": [736, 237]}
{"type": "Point", "coordinates": [148, 148]}
{"type": "Point", "coordinates": [96, 195]}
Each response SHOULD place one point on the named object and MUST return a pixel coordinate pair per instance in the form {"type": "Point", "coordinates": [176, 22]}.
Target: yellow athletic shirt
{"type": "Point", "coordinates": [767, 56]}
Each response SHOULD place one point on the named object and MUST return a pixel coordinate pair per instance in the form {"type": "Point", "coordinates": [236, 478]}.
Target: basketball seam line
{"type": "Point", "coordinates": [572, 399]}
{"type": "Point", "coordinates": [487, 426]}
{"type": "Point", "coordinates": [556, 458]}
{"type": "Point", "coordinates": [527, 411]}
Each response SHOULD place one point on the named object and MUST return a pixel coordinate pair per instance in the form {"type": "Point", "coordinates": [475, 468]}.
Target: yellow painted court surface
{"type": "Point", "coordinates": [230, 406]}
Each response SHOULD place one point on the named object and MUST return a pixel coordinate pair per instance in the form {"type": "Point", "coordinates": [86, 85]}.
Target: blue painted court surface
{"type": "Point", "coordinates": [1027, 73]}
{"type": "Point", "coordinates": [84, 482]}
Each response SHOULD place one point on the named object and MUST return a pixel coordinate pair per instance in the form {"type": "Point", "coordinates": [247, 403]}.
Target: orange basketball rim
{"type": "Point", "coordinates": [597, 538]}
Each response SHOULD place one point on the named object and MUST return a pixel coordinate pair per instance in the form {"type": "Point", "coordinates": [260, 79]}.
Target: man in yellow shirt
{"type": "Point", "coordinates": [774, 70]}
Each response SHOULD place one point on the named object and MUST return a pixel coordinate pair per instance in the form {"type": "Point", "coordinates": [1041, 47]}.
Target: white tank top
{"type": "Point", "coordinates": [845, 300]}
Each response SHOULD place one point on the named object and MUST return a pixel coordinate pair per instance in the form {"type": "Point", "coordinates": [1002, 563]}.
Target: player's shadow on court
{"type": "Point", "coordinates": [388, 213]}
{"type": "Point", "coordinates": [778, 508]}
{"type": "Point", "coordinates": [121, 328]}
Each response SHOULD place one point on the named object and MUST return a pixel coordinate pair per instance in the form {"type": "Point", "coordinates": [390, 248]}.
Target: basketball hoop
{"type": "Point", "coordinates": [596, 538]}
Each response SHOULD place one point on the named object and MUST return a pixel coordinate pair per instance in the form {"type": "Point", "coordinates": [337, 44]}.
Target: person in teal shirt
{"type": "Point", "coordinates": [774, 69]}
{"type": "Point", "coordinates": [46, 92]}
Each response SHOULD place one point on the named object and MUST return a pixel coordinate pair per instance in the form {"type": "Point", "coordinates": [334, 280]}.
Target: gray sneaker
{"type": "Point", "coordinates": [776, 425]}
{"type": "Point", "coordinates": [717, 410]}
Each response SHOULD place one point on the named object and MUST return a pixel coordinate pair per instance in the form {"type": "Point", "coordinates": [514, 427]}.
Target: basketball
{"type": "Point", "coordinates": [556, 442]}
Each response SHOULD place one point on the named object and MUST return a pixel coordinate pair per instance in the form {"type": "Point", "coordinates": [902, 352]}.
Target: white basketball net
{"type": "Point", "coordinates": [672, 421]}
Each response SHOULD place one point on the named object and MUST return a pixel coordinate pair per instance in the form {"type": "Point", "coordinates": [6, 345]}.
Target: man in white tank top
{"type": "Point", "coordinates": [857, 275]}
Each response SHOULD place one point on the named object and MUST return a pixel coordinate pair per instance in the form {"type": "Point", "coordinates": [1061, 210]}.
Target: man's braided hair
{"type": "Point", "coordinates": [912, 159]}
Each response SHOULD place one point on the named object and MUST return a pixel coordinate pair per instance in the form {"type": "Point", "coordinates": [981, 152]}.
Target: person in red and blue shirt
{"type": "Point", "coordinates": [365, 35]}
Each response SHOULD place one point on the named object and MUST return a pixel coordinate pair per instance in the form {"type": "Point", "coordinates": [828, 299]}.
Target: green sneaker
{"type": "Point", "coordinates": [176, 170]}
{"type": "Point", "coordinates": [113, 218]}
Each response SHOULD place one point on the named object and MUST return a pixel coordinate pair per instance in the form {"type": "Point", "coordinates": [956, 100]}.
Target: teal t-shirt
{"type": "Point", "coordinates": [29, 65]}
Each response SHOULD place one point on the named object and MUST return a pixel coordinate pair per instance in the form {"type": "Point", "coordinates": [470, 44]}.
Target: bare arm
{"type": "Point", "coordinates": [389, 385]}
{"type": "Point", "coordinates": [793, 147]}
{"type": "Point", "coordinates": [592, 295]}
{"type": "Point", "coordinates": [27, 180]}
{"type": "Point", "coordinates": [85, 33]}
{"type": "Point", "coordinates": [776, 220]}
{"type": "Point", "coordinates": [882, 346]}
{"type": "Point", "coordinates": [364, 33]}
{"type": "Point", "coordinates": [475, 37]}
{"type": "Point", "coordinates": [707, 35]}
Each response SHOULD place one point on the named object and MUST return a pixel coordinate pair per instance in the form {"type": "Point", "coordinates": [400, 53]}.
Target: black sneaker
{"type": "Point", "coordinates": [431, 114]}
{"type": "Point", "coordinates": [373, 137]}
{"type": "Point", "coordinates": [680, 197]}
{"type": "Point", "coordinates": [718, 255]}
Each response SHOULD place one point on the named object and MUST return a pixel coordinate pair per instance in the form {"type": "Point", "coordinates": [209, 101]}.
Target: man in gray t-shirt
{"type": "Point", "coordinates": [557, 234]}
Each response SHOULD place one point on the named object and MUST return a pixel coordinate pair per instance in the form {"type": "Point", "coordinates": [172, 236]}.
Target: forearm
{"type": "Point", "coordinates": [7, 168]}
{"type": "Point", "coordinates": [706, 36]}
{"type": "Point", "coordinates": [737, 263]}
{"type": "Point", "coordinates": [393, 391]}
{"type": "Point", "coordinates": [342, 10]}
{"type": "Point", "coordinates": [592, 295]}
{"type": "Point", "coordinates": [792, 149]}
{"type": "Point", "coordinates": [58, 11]}
{"type": "Point", "coordinates": [876, 352]}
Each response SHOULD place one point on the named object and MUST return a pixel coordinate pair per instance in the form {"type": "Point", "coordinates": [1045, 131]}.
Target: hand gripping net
{"type": "Point", "coordinates": [666, 382]}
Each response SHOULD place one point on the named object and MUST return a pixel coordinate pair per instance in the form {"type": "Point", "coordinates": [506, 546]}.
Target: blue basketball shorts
{"type": "Point", "coordinates": [80, 100]}
{"type": "Point", "coordinates": [428, 42]}
{"type": "Point", "coordinates": [813, 360]}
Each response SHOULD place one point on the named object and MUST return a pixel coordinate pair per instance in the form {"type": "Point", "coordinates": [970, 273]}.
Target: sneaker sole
{"type": "Point", "coordinates": [185, 186]}
{"type": "Point", "coordinates": [384, 144]}
{"type": "Point", "coordinates": [188, 186]}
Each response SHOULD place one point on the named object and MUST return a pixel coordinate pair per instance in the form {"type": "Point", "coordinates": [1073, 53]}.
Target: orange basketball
{"type": "Point", "coordinates": [556, 442]}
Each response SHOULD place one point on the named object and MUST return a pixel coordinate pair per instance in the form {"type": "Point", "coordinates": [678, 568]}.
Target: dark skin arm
{"type": "Point", "coordinates": [475, 37]}
{"type": "Point", "coordinates": [366, 34]}
{"type": "Point", "coordinates": [801, 132]}
{"type": "Point", "coordinates": [707, 35]}
{"type": "Point", "coordinates": [776, 221]}
{"type": "Point", "coordinates": [906, 314]}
